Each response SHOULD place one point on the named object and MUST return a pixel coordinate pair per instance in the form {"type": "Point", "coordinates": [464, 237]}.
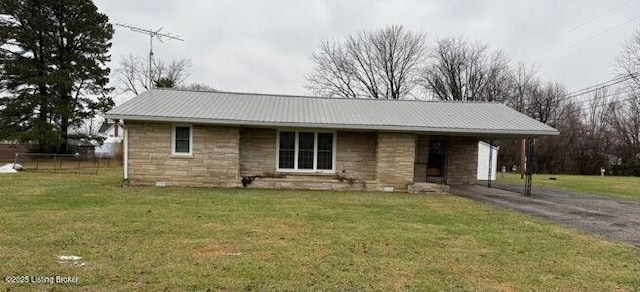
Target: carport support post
{"type": "Point", "coordinates": [529, 168]}
{"type": "Point", "coordinates": [125, 156]}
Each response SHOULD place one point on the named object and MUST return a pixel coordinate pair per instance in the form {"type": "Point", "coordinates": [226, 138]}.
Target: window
{"type": "Point", "coordinates": [306, 151]}
{"type": "Point", "coordinates": [182, 141]}
{"type": "Point", "coordinates": [287, 150]}
{"type": "Point", "coordinates": [325, 150]}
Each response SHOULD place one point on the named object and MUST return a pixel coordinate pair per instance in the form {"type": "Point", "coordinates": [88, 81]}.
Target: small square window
{"type": "Point", "coordinates": [182, 140]}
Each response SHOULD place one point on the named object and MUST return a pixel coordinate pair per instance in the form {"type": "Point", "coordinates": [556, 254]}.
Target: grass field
{"type": "Point", "coordinates": [615, 186]}
{"type": "Point", "coordinates": [186, 239]}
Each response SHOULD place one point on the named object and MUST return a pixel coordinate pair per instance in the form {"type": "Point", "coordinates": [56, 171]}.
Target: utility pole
{"type": "Point", "coordinates": [152, 33]}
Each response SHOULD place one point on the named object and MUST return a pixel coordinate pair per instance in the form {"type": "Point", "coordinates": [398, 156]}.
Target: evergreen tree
{"type": "Point", "coordinates": [53, 56]}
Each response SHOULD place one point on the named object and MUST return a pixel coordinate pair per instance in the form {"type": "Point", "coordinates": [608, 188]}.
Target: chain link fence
{"type": "Point", "coordinates": [65, 163]}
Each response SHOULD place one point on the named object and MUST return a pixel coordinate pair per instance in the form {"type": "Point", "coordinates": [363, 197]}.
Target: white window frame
{"type": "Point", "coordinates": [173, 140]}
{"type": "Point", "coordinates": [315, 152]}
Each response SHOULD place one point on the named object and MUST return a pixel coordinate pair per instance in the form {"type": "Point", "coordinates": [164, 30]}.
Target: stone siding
{"type": "Point", "coordinates": [425, 187]}
{"type": "Point", "coordinates": [312, 182]}
{"type": "Point", "coordinates": [257, 151]}
{"type": "Point", "coordinates": [421, 159]}
{"type": "Point", "coordinates": [396, 157]}
{"type": "Point", "coordinates": [214, 160]}
{"type": "Point", "coordinates": [462, 156]}
{"type": "Point", "coordinates": [356, 155]}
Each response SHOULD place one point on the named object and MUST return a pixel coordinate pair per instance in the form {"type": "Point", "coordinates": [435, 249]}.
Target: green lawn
{"type": "Point", "coordinates": [186, 239]}
{"type": "Point", "coordinates": [615, 186]}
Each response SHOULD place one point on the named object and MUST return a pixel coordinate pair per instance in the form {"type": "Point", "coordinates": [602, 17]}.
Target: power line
{"type": "Point", "coordinates": [599, 86]}
{"type": "Point", "coordinates": [580, 25]}
{"type": "Point", "coordinates": [596, 87]}
{"type": "Point", "coordinates": [585, 103]}
{"type": "Point", "coordinates": [586, 107]}
{"type": "Point", "coordinates": [587, 39]}
{"type": "Point", "coordinates": [589, 107]}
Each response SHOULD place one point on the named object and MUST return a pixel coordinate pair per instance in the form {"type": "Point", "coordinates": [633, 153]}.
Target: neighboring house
{"type": "Point", "coordinates": [113, 133]}
{"type": "Point", "coordinates": [487, 158]}
{"type": "Point", "coordinates": [81, 147]}
{"type": "Point", "coordinates": [221, 139]}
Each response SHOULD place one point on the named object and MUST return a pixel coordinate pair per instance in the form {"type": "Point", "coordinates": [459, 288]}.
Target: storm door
{"type": "Point", "coordinates": [437, 162]}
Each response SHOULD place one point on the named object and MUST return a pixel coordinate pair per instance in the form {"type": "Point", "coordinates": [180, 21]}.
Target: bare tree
{"type": "Point", "coordinates": [628, 62]}
{"type": "Point", "coordinates": [625, 121]}
{"type": "Point", "coordinates": [198, 87]}
{"type": "Point", "coordinates": [625, 112]}
{"type": "Point", "coordinates": [499, 87]}
{"type": "Point", "coordinates": [379, 64]}
{"type": "Point", "coordinates": [133, 74]}
{"type": "Point", "coordinates": [546, 101]}
{"type": "Point", "coordinates": [561, 148]}
{"type": "Point", "coordinates": [523, 84]}
{"type": "Point", "coordinates": [590, 152]}
{"type": "Point", "coordinates": [175, 71]}
{"type": "Point", "coordinates": [462, 70]}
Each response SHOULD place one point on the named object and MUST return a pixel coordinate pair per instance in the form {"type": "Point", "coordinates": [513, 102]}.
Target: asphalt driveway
{"type": "Point", "coordinates": [612, 218]}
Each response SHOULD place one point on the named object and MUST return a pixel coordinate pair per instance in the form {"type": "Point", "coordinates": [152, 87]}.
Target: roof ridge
{"type": "Point", "coordinates": [325, 97]}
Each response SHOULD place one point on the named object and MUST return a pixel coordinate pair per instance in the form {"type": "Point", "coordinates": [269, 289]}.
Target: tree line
{"type": "Point", "coordinates": [54, 72]}
{"type": "Point", "coordinates": [600, 127]}
{"type": "Point", "coordinates": [53, 69]}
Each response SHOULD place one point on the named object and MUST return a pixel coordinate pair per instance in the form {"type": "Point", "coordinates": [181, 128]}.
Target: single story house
{"type": "Point", "coordinates": [223, 139]}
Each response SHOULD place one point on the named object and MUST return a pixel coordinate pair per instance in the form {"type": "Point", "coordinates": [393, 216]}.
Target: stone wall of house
{"type": "Point", "coordinates": [356, 155]}
{"type": "Point", "coordinates": [462, 156]}
{"type": "Point", "coordinates": [421, 159]}
{"type": "Point", "coordinates": [257, 151]}
{"type": "Point", "coordinates": [396, 157]}
{"type": "Point", "coordinates": [312, 182]}
{"type": "Point", "coordinates": [213, 163]}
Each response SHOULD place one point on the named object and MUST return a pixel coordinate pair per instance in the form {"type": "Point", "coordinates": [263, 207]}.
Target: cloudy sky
{"type": "Point", "coordinates": [265, 46]}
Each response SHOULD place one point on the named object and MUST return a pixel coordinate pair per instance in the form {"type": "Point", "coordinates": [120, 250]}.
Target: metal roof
{"type": "Point", "coordinates": [106, 125]}
{"type": "Point", "coordinates": [248, 109]}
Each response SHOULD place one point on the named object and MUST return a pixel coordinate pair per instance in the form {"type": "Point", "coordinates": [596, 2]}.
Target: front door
{"type": "Point", "coordinates": [436, 164]}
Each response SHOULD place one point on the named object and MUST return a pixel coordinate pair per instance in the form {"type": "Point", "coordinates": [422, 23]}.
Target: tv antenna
{"type": "Point", "coordinates": [152, 34]}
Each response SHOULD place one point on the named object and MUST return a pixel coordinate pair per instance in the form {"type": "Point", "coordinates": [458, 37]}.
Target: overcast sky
{"type": "Point", "coordinates": [265, 46]}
